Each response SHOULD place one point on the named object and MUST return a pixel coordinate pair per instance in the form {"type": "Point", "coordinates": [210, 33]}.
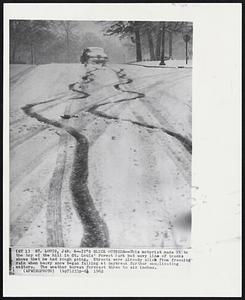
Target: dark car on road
{"type": "Point", "coordinates": [94, 55]}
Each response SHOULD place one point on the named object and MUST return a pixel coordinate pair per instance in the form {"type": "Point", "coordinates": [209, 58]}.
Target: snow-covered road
{"type": "Point", "coordinates": [116, 172]}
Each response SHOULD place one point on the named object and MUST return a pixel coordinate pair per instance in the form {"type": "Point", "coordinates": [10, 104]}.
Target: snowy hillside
{"type": "Point", "coordinates": [131, 135]}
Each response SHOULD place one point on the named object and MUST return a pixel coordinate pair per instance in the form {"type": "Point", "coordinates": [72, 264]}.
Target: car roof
{"type": "Point", "coordinates": [95, 48]}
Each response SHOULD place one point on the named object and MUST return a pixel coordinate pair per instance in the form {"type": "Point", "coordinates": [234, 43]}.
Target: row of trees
{"type": "Point", "coordinates": [39, 35]}
{"type": "Point", "coordinates": [45, 41]}
{"type": "Point", "coordinates": [155, 32]}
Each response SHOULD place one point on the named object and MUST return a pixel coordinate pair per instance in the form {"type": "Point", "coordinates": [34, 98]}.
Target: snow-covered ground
{"type": "Point", "coordinates": [173, 63]}
{"type": "Point", "coordinates": [139, 177]}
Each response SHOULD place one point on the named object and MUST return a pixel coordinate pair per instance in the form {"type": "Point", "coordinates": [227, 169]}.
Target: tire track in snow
{"type": "Point", "coordinates": [183, 140]}
{"type": "Point", "coordinates": [34, 163]}
{"type": "Point", "coordinates": [23, 138]}
{"type": "Point", "coordinates": [18, 141]}
{"type": "Point", "coordinates": [17, 177]}
{"type": "Point", "coordinates": [53, 213]}
{"type": "Point", "coordinates": [182, 165]}
{"type": "Point", "coordinates": [58, 96]}
{"type": "Point", "coordinates": [93, 110]}
{"type": "Point", "coordinates": [96, 233]}
{"type": "Point", "coordinates": [17, 76]}
{"type": "Point", "coordinates": [95, 229]}
{"type": "Point", "coordinates": [140, 121]}
{"type": "Point", "coordinates": [23, 222]}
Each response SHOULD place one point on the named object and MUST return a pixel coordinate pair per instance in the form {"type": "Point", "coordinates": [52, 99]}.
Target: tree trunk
{"type": "Point", "coordinates": [68, 46]}
{"type": "Point", "coordinates": [158, 42]}
{"type": "Point", "coordinates": [32, 54]}
{"type": "Point", "coordinates": [13, 53]}
{"type": "Point", "coordinates": [12, 39]}
{"type": "Point", "coordinates": [151, 46]}
{"type": "Point", "coordinates": [138, 45]}
{"type": "Point", "coordinates": [163, 45]}
{"type": "Point", "coordinates": [170, 44]}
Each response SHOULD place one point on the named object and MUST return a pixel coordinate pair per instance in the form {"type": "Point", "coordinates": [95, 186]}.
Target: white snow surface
{"type": "Point", "coordinates": [139, 178]}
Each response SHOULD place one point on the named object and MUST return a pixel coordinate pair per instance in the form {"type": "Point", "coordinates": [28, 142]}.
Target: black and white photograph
{"type": "Point", "coordinates": [100, 133]}
{"type": "Point", "coordinates": [122, 149]}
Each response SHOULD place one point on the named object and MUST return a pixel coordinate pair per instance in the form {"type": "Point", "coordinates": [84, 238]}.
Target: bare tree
{"type": "Point", "coordinates": [158, 41]}
{"type": "Point", "coordinates": [37, 33]}
{"type": "Point", "coordinates": [175, 28]}
{"type": "Point", "coordinates": [68, 27]}
{"type": "Point", "coordinates": [162, 62]}
{"type": "Point", "coordinates": [148, 29]}
{"type": "Point", "coordinates": [136, 28]}
{"type": "Point", "coordinates": [27, 33]}
{"type": "Point", "coordinates": [15, 38]}
{"type": "Point", "coordinates": [126, 29]}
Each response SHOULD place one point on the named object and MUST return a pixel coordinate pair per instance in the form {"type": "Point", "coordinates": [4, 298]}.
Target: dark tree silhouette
{"type": "Point", "coordinates": [158, 41]}
{"type": "Point", "coordinates": [148, 29]}
{"type": "Point", "coordinates": [162, 62]}
{"type": "Point", "coordinates": [127, 29]}
{"type": "Point", "coordinates": [68, 27]}
{"type": "Point", "coordinates": [28, 33]}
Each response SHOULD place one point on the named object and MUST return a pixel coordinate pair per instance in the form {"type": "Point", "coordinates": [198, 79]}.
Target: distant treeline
{"type": "Point", "coordinates": [41, 41]}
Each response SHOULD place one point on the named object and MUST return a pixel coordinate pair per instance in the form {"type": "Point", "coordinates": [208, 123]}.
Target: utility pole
{"type": "Point", "coordinates": [186, 53]}
{"type": "Point", "coordinates": [186, 38]}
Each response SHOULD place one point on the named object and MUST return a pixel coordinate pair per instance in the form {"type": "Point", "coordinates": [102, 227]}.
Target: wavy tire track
{"type": "Point", "coordinates": [183, 140]}
{"type": "Point", "coordinates": [95, 230]}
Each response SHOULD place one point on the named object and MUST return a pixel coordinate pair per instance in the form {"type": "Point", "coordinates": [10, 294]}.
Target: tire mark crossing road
{"type": "Point", "coordinates": [95, 230]}
{"type": "Point", "coordinates": [16, 77]}
{"type": "Point", "coordinates": [183, 140]}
